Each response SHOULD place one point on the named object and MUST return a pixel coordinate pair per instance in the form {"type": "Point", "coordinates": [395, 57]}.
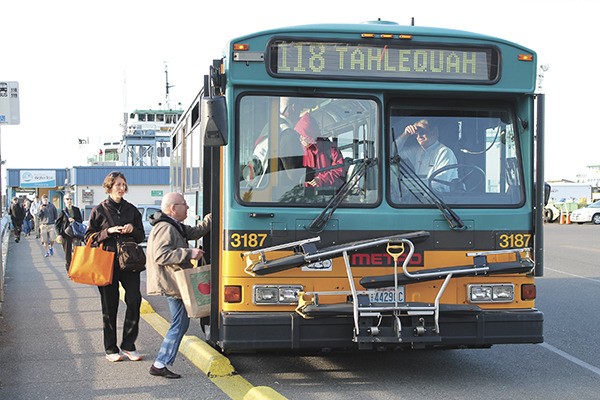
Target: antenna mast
{"type": "Point", "coordinates": [167, 87]}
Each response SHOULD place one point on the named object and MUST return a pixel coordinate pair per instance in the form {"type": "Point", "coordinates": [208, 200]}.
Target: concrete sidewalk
{"type": "Point", "coordinates": [51, 340]}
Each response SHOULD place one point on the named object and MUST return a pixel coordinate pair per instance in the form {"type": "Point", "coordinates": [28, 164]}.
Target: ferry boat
{"type": "Point", "coordinates": [145, 140]}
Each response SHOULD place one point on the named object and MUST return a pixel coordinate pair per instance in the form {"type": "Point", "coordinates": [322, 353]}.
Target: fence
{"type": "Point", "coordinates": [4, 234]}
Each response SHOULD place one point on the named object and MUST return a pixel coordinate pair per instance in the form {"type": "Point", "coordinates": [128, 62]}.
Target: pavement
{"type": "Point", "coordinates": [51, 341]}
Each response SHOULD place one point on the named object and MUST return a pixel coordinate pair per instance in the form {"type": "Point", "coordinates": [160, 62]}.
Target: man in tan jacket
{"type": "Point", "coordinates": [168, 251]}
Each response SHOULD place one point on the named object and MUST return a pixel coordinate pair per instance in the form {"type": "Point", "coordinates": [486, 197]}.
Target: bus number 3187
{"type": "Point", "coordinates": [247, 240]}
{"type": "Point", "coordinates": [514, 240]}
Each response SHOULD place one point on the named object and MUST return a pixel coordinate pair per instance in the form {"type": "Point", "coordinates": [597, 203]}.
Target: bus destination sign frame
{"type": "Point", "coordinates": [418, 62]}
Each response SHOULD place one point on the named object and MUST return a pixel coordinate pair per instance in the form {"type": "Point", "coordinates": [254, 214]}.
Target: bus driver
{"type": "Point", "coordinates": [419, 145]}
{"type": "Point", "coordinates": [430, 154]}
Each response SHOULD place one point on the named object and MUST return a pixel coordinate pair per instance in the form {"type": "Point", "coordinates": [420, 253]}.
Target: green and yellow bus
{"type": "Point", "coordinates": [372, 186]}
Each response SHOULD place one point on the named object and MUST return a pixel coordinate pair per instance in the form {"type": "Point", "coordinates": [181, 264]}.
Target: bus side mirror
{"type": "Point", "coordinates": [214, 121]}
{"type": "Point", "coordinates": [547, 189]}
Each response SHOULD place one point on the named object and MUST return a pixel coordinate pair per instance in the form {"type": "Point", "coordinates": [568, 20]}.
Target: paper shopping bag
{"type": "Point", "coordinates": [91, 265]}
{"type": "Point", "coordinates": [194, 287]}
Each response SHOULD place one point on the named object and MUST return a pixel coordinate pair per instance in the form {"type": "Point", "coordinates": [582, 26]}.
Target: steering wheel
{"type": "Point", "coordinates": [473, 177]}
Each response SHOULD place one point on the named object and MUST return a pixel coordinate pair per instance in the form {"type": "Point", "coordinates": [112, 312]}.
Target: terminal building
{"type": "Point", "coordinates": [146, 184]}
{"type": "Point", "coordinates": [142, 154]}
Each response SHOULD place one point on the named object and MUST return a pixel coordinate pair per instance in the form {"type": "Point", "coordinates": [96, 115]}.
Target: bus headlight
{"type": "Point", "coordinates": [276, 294]}
{"type": "Point", "coordinates": [491, 293]}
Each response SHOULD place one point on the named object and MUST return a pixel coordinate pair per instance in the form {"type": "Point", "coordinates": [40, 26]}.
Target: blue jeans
{"type": "Point", "coordinates": [27, 226]}
{"type": "Point", "coordinates": [179, 326]}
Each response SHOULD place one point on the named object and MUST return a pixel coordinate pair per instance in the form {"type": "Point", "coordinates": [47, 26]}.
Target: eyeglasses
{"type": "Point", "coordinates": [67, 198]}
{"type": "Point", "coordinates": [181, 204]}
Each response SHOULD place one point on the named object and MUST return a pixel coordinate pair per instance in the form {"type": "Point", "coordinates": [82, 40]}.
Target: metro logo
{"type": "Point", "coordinates": [383, 260]}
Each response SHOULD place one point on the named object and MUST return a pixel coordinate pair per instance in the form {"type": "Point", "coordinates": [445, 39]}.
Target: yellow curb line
{"type": "Point", "coordinates": [216, 366]}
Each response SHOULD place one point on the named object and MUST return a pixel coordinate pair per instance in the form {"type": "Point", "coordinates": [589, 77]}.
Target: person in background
{"type": "Point", "coordinates": [47, 217]}
{"type": "Point", "coordinates": [28, 221]}
{"type": "Point", "coordinates": [168, 251]}
{"type": "Point", "coordinates": [74, 214]}
{"type": "Point", "coordinates": [17, 214]}
{"type": "Point", "coordinates": [289, 151]}
{"type": "Point", "coordinates": [127, 223]}
{"type": "Point", "coordinates": [34, 209]}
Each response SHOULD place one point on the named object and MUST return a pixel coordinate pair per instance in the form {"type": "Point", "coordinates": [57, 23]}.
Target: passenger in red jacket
{"type": "Point", "coordinates": [320, 153]}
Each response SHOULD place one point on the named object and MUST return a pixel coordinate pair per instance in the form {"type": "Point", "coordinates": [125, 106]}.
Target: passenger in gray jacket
{"type": "Point", "coordinates": [168, 251]}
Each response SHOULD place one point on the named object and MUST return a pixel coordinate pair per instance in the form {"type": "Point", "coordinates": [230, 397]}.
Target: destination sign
{"type": "Point", "coordinates": [402, 62]}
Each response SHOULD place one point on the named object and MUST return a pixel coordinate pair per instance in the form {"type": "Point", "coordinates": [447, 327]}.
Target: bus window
{"type": "Point", "coordinates": [305, 150]}
{"type": "Point", "coordinates": [465, 156]}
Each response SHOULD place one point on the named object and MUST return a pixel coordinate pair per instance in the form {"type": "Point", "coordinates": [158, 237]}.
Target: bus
{"type": "Point", "coordinates": [373, 186]}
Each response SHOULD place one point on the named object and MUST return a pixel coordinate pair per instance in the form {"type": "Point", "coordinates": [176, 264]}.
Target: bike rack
{"type": "Point", "coordinates": [397, 309]}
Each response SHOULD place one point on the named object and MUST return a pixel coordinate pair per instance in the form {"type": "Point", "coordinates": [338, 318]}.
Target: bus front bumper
{"type": "Point", "coordinates": [458, 328]}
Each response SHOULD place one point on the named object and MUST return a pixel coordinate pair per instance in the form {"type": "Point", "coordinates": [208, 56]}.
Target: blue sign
{"type": "Point", "coordinates": [37, 179]}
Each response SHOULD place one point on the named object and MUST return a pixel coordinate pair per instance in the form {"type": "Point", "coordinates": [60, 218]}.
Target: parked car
{"type": "Point", "coordinates": [146, 210]}
{"type": "Point", "coordinates": [590, 213]}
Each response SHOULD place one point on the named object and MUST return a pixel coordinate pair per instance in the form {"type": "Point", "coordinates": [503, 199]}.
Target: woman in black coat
{"type": "Point", "coordinates": [126, 222]}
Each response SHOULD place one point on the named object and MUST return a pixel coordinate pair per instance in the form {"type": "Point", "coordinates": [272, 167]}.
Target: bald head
{"type": "Point", "coordinates": [169, 200]}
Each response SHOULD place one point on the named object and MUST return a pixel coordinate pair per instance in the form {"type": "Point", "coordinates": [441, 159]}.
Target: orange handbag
{"type": "Point", "coordinates": [91, 265]}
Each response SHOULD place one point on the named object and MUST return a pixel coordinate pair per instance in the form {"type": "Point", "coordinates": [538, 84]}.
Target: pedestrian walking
{"type": "Point", "coordinates": [28, 220]}
{"type": "Point", "coordinates": [74, 214]}
{"type": "Point", "coordinates": [47, 217]}
{"type": "Point", "coordinates": [168, 251]}
{"type": "Point", "coordinates": [34, 209]}
{"type": "Point", "coordinates": [17, 214]}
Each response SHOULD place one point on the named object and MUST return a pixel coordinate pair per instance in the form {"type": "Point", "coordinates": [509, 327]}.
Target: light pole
{"type": "Point", "coordinates": [1, 230]}
{"type": "Point", "coordinates": [542, 69]}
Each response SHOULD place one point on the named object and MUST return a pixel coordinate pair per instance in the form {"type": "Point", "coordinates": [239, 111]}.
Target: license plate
{"type": "Point", "coordinates": [386, 295]}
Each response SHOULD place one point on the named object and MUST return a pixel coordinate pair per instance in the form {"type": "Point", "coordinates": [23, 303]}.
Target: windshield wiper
{"type": "Point", "coordinates": [426, 192]}
{"type": "Point", "coordinates": [318, 224]}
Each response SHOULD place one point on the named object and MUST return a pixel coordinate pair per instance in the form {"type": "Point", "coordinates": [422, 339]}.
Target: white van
{"type": "Point", "coordinates": [147, 210]}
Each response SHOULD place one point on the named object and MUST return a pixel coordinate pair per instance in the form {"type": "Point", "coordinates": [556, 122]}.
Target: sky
{"type": "Point", "coordinates": [80, 65]}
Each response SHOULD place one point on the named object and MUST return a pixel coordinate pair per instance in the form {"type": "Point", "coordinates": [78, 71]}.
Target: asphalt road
{"type": "Point", "coordinates": [565, 366]}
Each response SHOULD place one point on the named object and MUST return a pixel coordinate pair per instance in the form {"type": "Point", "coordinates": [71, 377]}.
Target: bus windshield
{"type": "Point", "coordinates": [300, 150]}
{"type": "Point", "coordinates": [466, 154]}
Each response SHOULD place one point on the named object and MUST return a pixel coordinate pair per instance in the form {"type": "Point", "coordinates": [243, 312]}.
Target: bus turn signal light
{"type": "Point", "coordinates": [233, 294]}
{"type": "Point", "coordinates": [241, 47]}
{"type": "Point", "coordinates": [525, 57]}
{"type": "Point", "coordinates": [528, 292]}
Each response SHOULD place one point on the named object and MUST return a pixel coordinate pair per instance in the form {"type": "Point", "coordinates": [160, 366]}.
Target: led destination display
{"type": "Point", "coordinates": [374, 61]}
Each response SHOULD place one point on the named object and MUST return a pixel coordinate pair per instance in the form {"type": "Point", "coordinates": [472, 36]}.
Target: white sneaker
{"type": "Point", "coordinates": [132, 355]}
{"type": "Point", "coordinates": [114, 357]}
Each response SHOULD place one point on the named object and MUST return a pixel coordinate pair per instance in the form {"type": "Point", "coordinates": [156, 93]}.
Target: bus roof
{"type": "Point", "coordinates": [501, 65]}
{"type": "Point", "coordinates": [380, 27]}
